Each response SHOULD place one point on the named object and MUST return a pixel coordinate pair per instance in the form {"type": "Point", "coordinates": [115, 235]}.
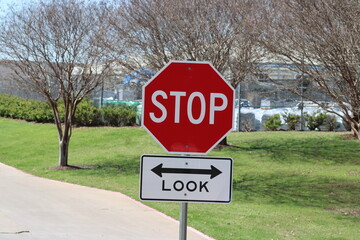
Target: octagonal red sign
{"type": "Point", "coordinates": [188, 107]}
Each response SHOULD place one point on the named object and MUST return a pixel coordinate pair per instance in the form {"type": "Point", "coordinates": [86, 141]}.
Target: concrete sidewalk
{"type": "Point", "coordinates": [34, 208]}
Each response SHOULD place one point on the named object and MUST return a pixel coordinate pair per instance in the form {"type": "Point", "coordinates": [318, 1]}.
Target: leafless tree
{"type": "Point", "coordinates": [322, 38]}
{"type": "Point", "coordinates": [53, 47]}
{"type": "Point", "coordinates": [157, 31]}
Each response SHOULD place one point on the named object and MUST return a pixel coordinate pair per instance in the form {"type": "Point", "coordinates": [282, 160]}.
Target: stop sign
{"type": "Point", "coordinates": [188, 107]}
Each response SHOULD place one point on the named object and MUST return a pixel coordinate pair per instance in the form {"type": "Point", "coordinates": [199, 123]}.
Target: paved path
{"type": "Point", "coordinates": [33, 208]}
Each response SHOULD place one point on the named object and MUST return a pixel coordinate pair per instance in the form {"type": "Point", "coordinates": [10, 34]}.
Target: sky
{"type": "Point", "coordinates": [4, 5]}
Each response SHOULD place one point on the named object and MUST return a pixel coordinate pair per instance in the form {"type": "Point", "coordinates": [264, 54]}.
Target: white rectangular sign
{"type": "Point", "coordinates": [185, 179]}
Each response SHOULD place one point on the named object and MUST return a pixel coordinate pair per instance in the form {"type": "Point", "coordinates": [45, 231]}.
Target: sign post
{"type": "Point", "coordinates": [183, 221]}
{"type": "Point", "coordinates": [188, 109]}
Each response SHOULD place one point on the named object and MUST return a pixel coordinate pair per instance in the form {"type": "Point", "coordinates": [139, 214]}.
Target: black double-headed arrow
{"type": "Point", "coordinates": [213, 172]}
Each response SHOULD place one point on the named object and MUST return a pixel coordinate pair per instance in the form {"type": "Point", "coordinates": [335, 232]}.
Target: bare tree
{"type": "Point", "coordinates": [322, 38]}
{"type": "Point", "coordinates": [53, 47]}
{"type": "Point", "coordinates": [157, 31]}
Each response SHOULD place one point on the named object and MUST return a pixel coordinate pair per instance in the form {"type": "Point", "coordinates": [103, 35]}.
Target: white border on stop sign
{"type": "Point", "coordinates": [156, 75]}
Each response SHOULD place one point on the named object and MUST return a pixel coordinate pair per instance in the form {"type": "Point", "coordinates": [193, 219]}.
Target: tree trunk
{"type": "Point", "coordinates": [64, 142]}
{"type": "Point", "coordinates": [355, 130]}
{"type": "Point", "coordinates": [63, 156]}
{"type": "Point", "coordinates": [223, 142]}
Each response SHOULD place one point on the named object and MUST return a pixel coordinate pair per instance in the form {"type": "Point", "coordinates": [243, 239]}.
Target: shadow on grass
{"type": "Point", "coordinates": [125, 166]}
{"type": "Point", "coordinates": [317, 150]}
{"type": "Point", "coordinates": [108, 167]}
{"type": "Point", "coordinates": [116, 166]}
{"type": "Point", "coordinates": [299, 190]}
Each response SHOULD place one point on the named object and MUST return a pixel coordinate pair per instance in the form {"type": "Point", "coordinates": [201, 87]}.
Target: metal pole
{"type": "Point", "coordinates": [302, 104]}
{"type": "Point", "coordinates": [183, 221]}
{"type": "Point", "coordinates": [302, 113]}
{"type": "Point", "coordinates": [239, 107]}
{"type": "Point", "coordinates": [183, 210]}
{"type": "Point", "coordinates": [102, 95]}
{"type": "Point", "coordinates": [302, 93]}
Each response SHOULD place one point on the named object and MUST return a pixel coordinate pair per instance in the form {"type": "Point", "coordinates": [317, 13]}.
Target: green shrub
{"type": "Point", "coordinates": [315, 120]}
{"type": "Point", "coordinates": [291, 120]}
{"type": "Point", "coordinates": [10, 106]}
{"type": "Point", "coordinates": [118, 116]}
{"type": "Point", "coordinates": [29, 110]}
{"type": "Point", "coordinates": [87, 114]}
{"type": "Point", "coordinates": [273, 123]}
{"type": "Point", "coordinates": [37, 111]}
{"type": "Point", "coordinates": [331, 123]}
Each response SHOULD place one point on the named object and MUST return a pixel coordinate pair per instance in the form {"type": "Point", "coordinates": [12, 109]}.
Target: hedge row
{"type": "Point", "coordinates": [29, 110]}
{"type": "Point", "coordinates": [86, 113]}
{"type": "Point", "coordinates": [313, 121]}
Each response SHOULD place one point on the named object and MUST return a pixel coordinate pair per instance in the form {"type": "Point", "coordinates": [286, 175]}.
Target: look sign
{"type": "Point", "coordinates": [188, 107]}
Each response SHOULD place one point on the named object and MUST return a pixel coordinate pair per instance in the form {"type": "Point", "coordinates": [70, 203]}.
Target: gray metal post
{"type": "Point", "coordinates": [183, 221]}
{"type": "Point", "coordinates": [302, 114]}
{"type": "Point", "coordinates": [239, 107]}
{"type": "Point", "coordinates": [102, 95]}
{"type": "Point", "coordinates": [183, 217]}
{"type": "Point", "coordinates": [302, 104]}
{"type": "Point", "coordinates": [183, 209]}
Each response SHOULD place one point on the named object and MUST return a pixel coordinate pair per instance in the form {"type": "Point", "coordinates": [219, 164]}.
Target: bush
{"type": "Point", "coordinates": [273, 123]}
{"type": "Point", "coordinates": [9, 106]}
{"type": "Point", "coordinates": [118, 116]}
{"type": "Point", "coordinates": [87, 114]}
{"type": "Point", "coordinates": [331, 123]}
{"type": "Point", "coordinates": [37, 111]}
{"type": "Point", "coordinates": [29, 110]}
{"type": "Point", "coordinates": [291, 120]}
{"type": "Point", "coordinates": [315, 120]}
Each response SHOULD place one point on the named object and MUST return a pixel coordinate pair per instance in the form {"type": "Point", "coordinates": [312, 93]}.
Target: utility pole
{"type": "Point", "coordinates": [239, 107]}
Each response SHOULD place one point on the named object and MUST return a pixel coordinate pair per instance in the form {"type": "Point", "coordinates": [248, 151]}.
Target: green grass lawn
{"type": "Point", "coordinates": [286, 185]}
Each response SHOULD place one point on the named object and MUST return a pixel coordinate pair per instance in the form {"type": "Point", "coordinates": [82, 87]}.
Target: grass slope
{"type": "Point", "coordinates": [287, 185]}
